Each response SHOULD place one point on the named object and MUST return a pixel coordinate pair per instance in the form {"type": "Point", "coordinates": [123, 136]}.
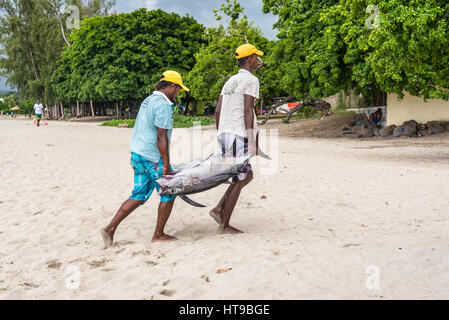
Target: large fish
{"type": "Point", "coordinates": [202, 174]}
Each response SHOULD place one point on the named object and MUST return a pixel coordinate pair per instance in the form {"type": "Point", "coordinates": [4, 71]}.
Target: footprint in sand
{"type": "Point", "coordinates": [122, 243]}
{"type": "Point", "coordinates": [98, 263]}
{"type": "Point", "coordinates": [55, 264]}
{"type": "Point", "coordinates": [352, 245]}
{"type": "Point", "coordinates": [29, 285]}
{"type": "Point", "coordinates": [167, 293]}
{"type": "Point", "coordinates": [144, 252]}
{"type": "Point", "coordinates": [151, 263]}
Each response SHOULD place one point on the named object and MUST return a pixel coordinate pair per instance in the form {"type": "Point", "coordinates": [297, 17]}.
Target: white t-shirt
{"type": "Point", "coordinates": [232, 114]}
{"type": "Point", "coordinates": [38, 108]}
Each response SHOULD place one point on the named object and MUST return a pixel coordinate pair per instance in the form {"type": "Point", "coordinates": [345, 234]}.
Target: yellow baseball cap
{"type": "Point", "coordinates": [247, 50]}
{"type": "Point", "coordinates": [174, 77]}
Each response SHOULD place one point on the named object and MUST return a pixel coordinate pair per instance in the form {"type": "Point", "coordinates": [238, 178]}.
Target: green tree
{"type": "Point", "coordinates": [33, 34]}
{"type": "Point", "coordinates": [121, 56]}
{"type": "Point", "coordinates": [329, 46]}
{"type": "Point", "coordinates": [410, 49]}
{"type": "Point", "coordinates": [300, 52]}
{"type": "Point", "coordinates": [31, 45]}
{"type": "Point", "coordinates": [216, 61]}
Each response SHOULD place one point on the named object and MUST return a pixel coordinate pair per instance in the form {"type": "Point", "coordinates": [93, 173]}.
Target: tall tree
{"type": "Point", "coordinates": [31, 46]}
{"type": "Point", "coordinates": [121, 56]}
{"type": "Point", "coordinates": [62, 9]}
{"type": "Point", "coordinates": [216, 62]}
{"type": "Point", "coordinates": [327, 46]}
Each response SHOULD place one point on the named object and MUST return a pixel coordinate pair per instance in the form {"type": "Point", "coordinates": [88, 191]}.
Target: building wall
{"type": "Point", "coordinates": [415, 108]}
{"type": "Point", "coordinates": [351, 100]}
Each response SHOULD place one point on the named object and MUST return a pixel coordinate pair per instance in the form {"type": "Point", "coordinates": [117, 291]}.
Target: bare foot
{"type": "Point", "coordinates": [228, 230]}
{"type": "Point", "coordinates": [216, 215]}
{"type": "Point", "coordinates": [163, 238]}
{"type": "Point", "coordinates": [107, 238]}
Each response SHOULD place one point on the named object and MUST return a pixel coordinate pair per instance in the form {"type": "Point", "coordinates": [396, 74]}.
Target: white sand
{"type": "Point", "coordinates": [334, 208]}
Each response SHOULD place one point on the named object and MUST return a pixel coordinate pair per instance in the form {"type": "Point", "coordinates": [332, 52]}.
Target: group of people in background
{"type": "Point", "coordinates": [38, 112]}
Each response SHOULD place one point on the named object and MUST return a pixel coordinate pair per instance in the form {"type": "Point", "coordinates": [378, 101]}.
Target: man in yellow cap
{"type": "Point", "coordinates": [150, 157]}
{"type": "Point", "coordinates": [236, 125]}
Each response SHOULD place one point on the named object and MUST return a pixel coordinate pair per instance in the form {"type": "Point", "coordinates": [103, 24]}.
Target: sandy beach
{"type": "Point", "coordinates": [336, 219]}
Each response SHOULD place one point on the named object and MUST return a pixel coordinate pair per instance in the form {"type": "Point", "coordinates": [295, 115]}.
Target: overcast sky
{"type": "Point", "coordinates": [201, 10]}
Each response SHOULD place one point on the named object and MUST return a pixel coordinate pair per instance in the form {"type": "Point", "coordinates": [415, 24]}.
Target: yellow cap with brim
{"type": "Point", "coordinates": [247, 50]}
{"type": "Point", "coordinates": [174, 77]}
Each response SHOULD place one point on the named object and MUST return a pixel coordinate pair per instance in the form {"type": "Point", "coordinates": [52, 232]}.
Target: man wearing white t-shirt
{"type": "Point", "coordinates": [236, 125]}
{"type": "Point", "coordinates": [38, 110]}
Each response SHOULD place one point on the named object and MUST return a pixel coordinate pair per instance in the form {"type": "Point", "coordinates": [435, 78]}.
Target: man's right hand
{"type": "Point", "coordinates": [166, 170]}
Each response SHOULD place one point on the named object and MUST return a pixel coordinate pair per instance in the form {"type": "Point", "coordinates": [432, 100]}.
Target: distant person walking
{"type": "Point", "coordinates": [150, 155]}
{"type": "Point", "coordinates": [38, 109]}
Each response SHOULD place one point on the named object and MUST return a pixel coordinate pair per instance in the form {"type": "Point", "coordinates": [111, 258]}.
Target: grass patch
{"type": "Point", "coordinates": [116, 123]}
{"type": "Point", "coordinates": [343, 112]}
{"type": "Point", "coordinates": [180, 121]}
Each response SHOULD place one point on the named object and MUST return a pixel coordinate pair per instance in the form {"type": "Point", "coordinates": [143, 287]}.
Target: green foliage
{"type": "Point", "coordinates": [180, 121]}
{"type": "Point", "coordinates": [116, 123]}
{"type": "Point", "coordinates": [4, 107]}
{"type": "Point", "coordinates": [121, 56]}
{"type": "Point", "coordinates": [306, 68]}
{"type": "Point", "coordinates": [410, 50]}
{"type": "Point", "coordinates": [26, 107]}
{"type": "Point", "coordinates": [326, 47]}
{"type": "Point", "coordinates": [216, 61]}
{"type": "Point", "coordinates": [32, 44]}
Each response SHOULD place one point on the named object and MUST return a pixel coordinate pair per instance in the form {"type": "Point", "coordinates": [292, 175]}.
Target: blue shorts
{"type": "Point", "coordinates": [145, 175]}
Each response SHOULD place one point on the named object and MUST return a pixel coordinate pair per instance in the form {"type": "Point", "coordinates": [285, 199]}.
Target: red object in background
{"type": "Point", "coordinates": [291, 105]}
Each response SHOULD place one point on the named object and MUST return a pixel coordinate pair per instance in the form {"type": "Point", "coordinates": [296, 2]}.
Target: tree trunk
{"type": "Point", "coordinates": [271, 108]}
{"type": "Point", "coordinates": [62, 110]}
{"type": "Point", "coordinates": [48, 111]}
{"type": "Point", "coordinates": [117, 111]}
{"type": "Point", "coordinates": [92, 108]}
{"type": "Point", "coordinates": [77, 108]}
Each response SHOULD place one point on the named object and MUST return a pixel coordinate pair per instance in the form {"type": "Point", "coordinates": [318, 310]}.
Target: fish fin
{"type": "Point", "coordinates": [191, 202]}
{"type": "Point", "coordinates": [263, 155]}
{"type": "Point", "coordinates": [260, 152]}
{"type": "Point", "coordinates": [210, 156]}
